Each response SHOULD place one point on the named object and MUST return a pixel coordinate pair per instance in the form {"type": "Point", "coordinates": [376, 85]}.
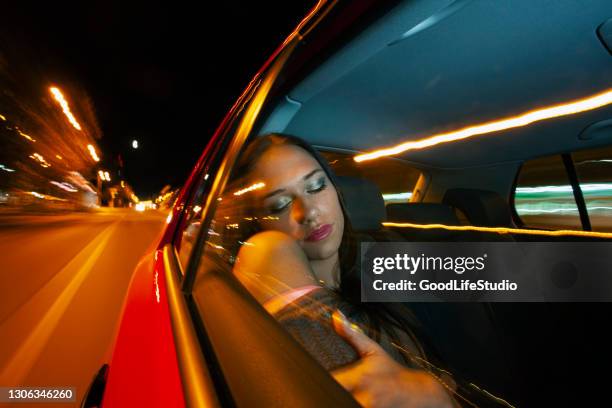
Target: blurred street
{"type": "Point", "coordinates": [63, 279]}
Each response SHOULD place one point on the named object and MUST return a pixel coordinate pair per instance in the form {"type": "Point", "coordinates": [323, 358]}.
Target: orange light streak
{"type": "Point", "coordinates": [500, 230]}
{"type": "Point", "coordinates": [26, 136]}
{"type": "Point", "coordinates": [564, 109]}
{"type": "Point", "coordinates": [40, 159]}
{"type": "Point", "coordinates": [92, 152]}
{"type": "Point", "coordinates": [249, 188]}
{"type": "Point", "coordinates": [59, 97]}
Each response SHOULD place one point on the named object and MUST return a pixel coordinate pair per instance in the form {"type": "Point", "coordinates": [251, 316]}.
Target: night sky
{"type": "Point", "coordinates": [163, 73]}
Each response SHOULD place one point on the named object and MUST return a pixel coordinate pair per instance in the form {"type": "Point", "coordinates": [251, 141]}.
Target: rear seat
{"type": "Point", "coordinates": [463, 335]}
{"type": "Point", "coordinates": [424, 213]}
{"type": "Point", "coordinates": [481, 208]}
{"type": "Point", "coordinates": [365, 208]}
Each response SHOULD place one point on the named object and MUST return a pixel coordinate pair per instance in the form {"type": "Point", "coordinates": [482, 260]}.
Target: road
{"type": "Point", "coordinates": [63, 279]}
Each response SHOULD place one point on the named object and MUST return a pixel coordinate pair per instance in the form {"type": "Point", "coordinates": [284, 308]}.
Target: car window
{"type": "Point", "coordinates": [192, 209]}
{"type": "Point", "coordinates": [594, 170]}
{"type": "Point", "coordinates": [395, 178]}
{"type": "Point", "coordinates": [543, 197]}
{"type": "Point", "coordinates": [271, 196]}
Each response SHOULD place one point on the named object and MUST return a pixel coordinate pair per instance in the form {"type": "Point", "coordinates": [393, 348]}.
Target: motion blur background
{"type": "Point", "coordinates": [104, 109]}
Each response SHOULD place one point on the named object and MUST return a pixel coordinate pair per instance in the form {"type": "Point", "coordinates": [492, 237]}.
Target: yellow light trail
{"type": "Point", "coordinates": [40, 159]}
{"type": "Point", "coordinates": [500, 230]}
{"type": "Point", "coordinates": [3, 117]}
{"type": "Point", "coordinates": [555, 111]}
{"type": "Point", "coordinates": [250, 188]}
{"type": "Point", "coordinates": [92, 152]}
{"type": "Point", "coordinates": [59, 97]}
{"type": "Point", "coordinates": [26, 136]}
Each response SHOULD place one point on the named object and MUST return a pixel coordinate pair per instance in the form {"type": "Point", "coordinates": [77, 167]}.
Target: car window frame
{"type": "Point", "coordinates": [211, 162]}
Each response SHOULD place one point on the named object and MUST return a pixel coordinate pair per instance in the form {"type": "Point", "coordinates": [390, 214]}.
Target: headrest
{"type": "Point", "coordinates": [481, 207]}
{"type": "Point", "coordinates": [422, 213]}
{"type": "Point", "coordinates": [363, 203]}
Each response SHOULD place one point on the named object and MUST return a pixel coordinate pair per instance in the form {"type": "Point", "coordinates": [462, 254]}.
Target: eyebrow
{"type": "Point", "coordinates": [280, 190]}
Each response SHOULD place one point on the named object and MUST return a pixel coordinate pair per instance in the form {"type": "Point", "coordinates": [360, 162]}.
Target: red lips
{"type": "Point", "coordinates": [320, 233]}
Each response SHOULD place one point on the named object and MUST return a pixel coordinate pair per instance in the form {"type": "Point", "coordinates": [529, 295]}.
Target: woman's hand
{"type": "Point", "coordinates": [376, 380]}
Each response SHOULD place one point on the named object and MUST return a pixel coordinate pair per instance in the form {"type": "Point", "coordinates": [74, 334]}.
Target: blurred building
{"type": "Point", "coordinates": [48, 135]}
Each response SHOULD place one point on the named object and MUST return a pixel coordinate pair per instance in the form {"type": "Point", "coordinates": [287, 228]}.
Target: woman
{"type": "Point", "coordinates": [302, 267]}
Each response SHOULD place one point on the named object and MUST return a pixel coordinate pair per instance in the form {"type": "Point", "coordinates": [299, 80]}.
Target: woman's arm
{"type": "Point", "coordinates": [271, 263]}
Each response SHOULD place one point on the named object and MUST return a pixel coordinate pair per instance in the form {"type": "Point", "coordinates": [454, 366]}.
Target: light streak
{"type": "Point", "coordinates": [500, 230]}
{"type": "Point", "coordinates": [245, 190]}
{"type": "Point", "coordinates": [595, 161]}
{"type": "Point", "coordinates": [65, 186]}
{"type": "Point", "coordinates": [526, 210]}
{"type": "Point", "coordinates": [59, 97]}
{"type": "Point", "coordinates": [92, 152]}
{"type": "Point", "coordinates": [40, 159]}
{"type": "Point", "coordinates": [527, 118]}
{"type": "Point", "coordinates": [30, 138]}
{"type": "Point", "coordinates": [397, 196]}
{"type": "Point", "coordinates": [156, 287]}
{"type": "Point", "coordinates": [3, 167]}
{"type": "Point", "coordinates": [590, 187]}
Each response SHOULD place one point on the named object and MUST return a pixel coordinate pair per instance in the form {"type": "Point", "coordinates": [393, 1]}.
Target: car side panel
{"type": "Point", "coordinates": [144, 369]}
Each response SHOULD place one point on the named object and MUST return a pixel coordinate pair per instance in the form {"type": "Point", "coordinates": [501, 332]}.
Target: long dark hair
{"type": "Point", "coordinates": [378, 317]}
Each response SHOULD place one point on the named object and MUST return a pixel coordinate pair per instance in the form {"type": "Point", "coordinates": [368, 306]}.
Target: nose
{"type": "Point", "coordinates": [304, 212]}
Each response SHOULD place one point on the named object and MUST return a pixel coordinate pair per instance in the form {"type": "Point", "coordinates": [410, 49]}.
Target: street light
{"type": "Point", "coordinates": [135, 144]}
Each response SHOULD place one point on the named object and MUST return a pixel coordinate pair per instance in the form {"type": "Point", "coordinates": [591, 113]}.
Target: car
{"type": "Point", "coordinates": [476, 121]}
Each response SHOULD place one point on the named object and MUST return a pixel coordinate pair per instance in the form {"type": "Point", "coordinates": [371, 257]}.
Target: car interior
{"type": "Point", "coordinates": [431, 68]}
{"type": "Point", "coordinates": [472, 64]}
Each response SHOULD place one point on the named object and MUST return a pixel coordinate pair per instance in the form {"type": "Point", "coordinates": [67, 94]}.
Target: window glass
{"type": "Point", "coordinates": [279, 228]}
{"type": "Point", "coordinates": [192, 212]}
{"type": "Point", "coordinates": [594, 169]}
{"type": "Point", "coordinates": [543, 197]}
{"type": "Point", "coordinates": [192, 221]}
{"type": "Point", "coordinates": [395, 178]}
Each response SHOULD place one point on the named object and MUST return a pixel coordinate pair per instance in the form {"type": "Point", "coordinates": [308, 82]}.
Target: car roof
{"type": "Point", "coordinates": [428, 67]}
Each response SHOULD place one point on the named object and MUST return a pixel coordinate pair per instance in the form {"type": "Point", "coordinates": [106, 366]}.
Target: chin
{"type": "Point", "coordinates": [320, 250]}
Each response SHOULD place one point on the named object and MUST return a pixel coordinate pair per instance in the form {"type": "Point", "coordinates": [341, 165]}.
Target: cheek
{"type": "Point", "coordinates": [332, 205]}
{"type": "Point", "coordinates": [283, 224]}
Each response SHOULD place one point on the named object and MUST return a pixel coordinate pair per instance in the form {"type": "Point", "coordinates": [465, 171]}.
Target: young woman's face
{"type": "Point", "coordinates": [299, 199]}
